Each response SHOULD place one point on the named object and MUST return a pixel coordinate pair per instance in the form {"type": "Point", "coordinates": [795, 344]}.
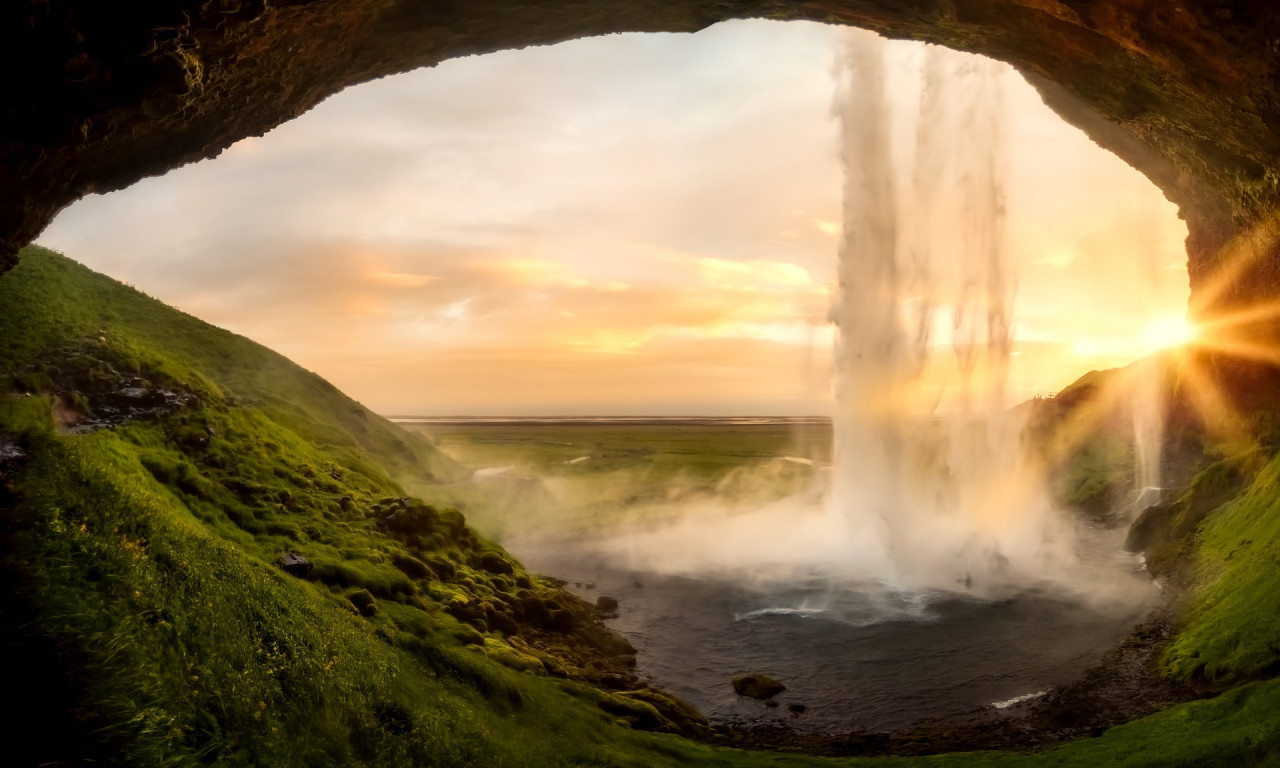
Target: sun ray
{"type": "Point", "coordinates": [1236, 257]}
{"type": "Point", "coordinates": [1083, 420]}
{"type": "Point", "coordinates": [1225, 323]}
{"type": "Point", "coordinates": [1167, 332]}
{"type": "Point", "coordinates": [1221, 420]}
{"type": "Point", "coordinates": [1242, 349]}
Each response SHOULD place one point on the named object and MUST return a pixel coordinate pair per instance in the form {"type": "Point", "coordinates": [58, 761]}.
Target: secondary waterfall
{"type": "Point", "coordinates": [929, 477]}
{"type": "Point", "coordinates": [1147, 402]}
{"type": "Point", "coordinates": [1146, 393]}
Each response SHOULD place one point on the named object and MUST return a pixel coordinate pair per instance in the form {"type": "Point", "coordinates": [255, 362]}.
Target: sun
{"type": "Point", "coordinates": [1167, 332]}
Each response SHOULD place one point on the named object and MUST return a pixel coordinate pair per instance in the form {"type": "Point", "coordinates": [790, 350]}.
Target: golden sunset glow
{"type": "Point", "coordinates": [1168, 331]}
{"type": "Point", "coordinates": [1189, 354]}
{"type": "Point", "coordinates": [613, 226]}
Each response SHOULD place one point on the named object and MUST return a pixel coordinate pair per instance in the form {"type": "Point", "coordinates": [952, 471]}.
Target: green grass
{"type": "Point", "coordinates": [707, 452]}
{"type": "Point", "coordinates": [147, 553]}
{"type": "Point", "coordinates": [192, 650]}
{"type": "Point", "coordinates": [148, 625]}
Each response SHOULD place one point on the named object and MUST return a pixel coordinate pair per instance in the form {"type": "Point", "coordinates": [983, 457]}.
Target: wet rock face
{"type": "Point", "coordinates": [97, 95]}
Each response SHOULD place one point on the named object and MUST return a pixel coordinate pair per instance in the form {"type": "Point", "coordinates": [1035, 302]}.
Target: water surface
{"type": "Point", "coordinates": [859, 656]}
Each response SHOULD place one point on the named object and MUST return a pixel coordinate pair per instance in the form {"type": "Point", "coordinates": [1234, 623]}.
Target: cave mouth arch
{"type": "Point", "coordinates": [188, 72]}
{"type": "Point", "coordinates": [724, 172]}
{"type": "Point", "coordinates": [97, 99]}
{"type": "Point", "coordinates": [359, 272]}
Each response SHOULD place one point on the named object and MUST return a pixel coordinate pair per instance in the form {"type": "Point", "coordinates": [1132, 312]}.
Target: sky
{"type": "Point", "coordinates": [631, 224]}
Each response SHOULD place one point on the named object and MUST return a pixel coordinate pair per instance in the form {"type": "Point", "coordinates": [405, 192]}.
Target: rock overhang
{"type": "Point", "coordinates": [97, 96]}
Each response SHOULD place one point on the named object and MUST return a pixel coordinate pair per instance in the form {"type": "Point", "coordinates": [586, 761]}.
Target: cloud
{"type": "Point", "coordinates": [752, 275]}
{"type": "Point", "coordinates": [400, 279]}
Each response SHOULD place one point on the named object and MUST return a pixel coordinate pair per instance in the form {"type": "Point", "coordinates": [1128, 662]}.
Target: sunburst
{"type": "Point", "coordinates": [1168, 332]}
{"type": "Point", "coordinates": [1200, 355]}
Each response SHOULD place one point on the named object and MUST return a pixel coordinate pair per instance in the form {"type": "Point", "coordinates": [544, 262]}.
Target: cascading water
{"type": "Point", "coordinates": [929, 475]}
{"type": "Point", "coordinates": [1147, 396]}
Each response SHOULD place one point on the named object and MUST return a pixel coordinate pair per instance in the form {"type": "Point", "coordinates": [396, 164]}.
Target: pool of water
{"type": "Point", "coordinates": [858, 655]}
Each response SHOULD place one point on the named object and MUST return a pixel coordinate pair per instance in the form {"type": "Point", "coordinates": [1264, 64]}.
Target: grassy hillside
{"type": "Point", "coordinates": [1232, 629]}
{"type": "Point", "coordinates": [152, 471]}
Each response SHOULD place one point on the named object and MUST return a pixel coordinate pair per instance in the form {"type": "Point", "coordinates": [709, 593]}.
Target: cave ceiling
{"type": "Point", "coordinates": [98, 95]}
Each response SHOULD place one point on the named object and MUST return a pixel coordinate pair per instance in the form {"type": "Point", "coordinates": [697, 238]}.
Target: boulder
{"type": "Point", "coordinates": [295, 565]}
{"type": "Point", "coordinates": [412, 567]}
{"type": "Point", "coordinates": [509, 656]}
{"type": "Point", "coordinates": [757, 686]}
{"type": "Point", "coordinates": [494, 562]}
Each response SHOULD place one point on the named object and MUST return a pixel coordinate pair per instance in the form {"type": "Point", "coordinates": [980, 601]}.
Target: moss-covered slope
{"type": "Point", "coordinates": [157, 469]}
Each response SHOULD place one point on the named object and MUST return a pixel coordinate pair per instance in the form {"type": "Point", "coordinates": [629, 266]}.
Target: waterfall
{"type": "Point", "coordinates": [1147, 399]}
{"type": "Point", "coordinates": [929, 478]}
{"type": "Point", "coordinates": [1146, 391]}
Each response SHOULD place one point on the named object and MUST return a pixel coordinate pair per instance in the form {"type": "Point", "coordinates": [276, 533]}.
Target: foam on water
{"type": "Point", "coordinates": [779, 611]}
{"type": "Point", "coordinates": [1017, 700]}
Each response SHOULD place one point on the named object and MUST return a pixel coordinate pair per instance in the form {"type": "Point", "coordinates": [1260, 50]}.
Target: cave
{"type": "Point", "coordinates": [98, 98]}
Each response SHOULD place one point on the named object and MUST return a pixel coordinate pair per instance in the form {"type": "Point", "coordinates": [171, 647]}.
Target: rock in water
{"type": "Point", "coordinates": [757, 686]}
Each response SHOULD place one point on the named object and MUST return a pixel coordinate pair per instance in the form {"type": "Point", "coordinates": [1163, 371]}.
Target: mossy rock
{"type": "Point", "coordinates": [412, 567]}
{"type": "Point", "coordinates": [1165, 532]}
{"type": "Point", "coordinates": [554, 666]}
{"type": "Point", "coordinates": [640, 715]}
{"type": "Point", "coordinates": [364, 602]}
{"type": "Point", "coordinates": [468, 636]}
{"type": "Point", "coordinates": [444, 568]}
{"type": "Point", "coordinates": [680, 713]}
{"type": "Point", "coordinates": [494, 562]}
{"type": "Point", "coordinates": [503, 623]}
{"type": "Point", "coordinates": [508, 656]}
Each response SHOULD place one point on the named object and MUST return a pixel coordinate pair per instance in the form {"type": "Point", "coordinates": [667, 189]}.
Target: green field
{"type": "Point", "coordinates": [572, 478]}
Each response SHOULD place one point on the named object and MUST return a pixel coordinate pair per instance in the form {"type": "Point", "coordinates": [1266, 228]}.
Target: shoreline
{"type": "Point", "coordinates": [1122, 687]}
